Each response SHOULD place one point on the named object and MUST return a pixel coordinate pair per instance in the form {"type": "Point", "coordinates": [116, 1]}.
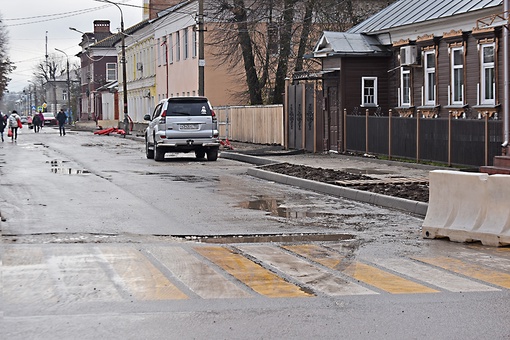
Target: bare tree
{"type": "Point", "coordinates": [271, 37]}
{"type": "Point", "coordinates": [6, 66]}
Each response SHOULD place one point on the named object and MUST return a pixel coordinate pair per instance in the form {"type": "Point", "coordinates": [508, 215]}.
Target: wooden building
{"type": "Point", "coordinates": [420, 59]}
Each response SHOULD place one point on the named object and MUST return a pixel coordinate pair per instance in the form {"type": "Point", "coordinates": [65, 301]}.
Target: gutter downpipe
{"type": "Point", "coordinates": [506, 76]}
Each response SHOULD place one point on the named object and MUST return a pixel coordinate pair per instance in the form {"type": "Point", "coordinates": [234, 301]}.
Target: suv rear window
{"type": "Point", "coordinates": [188, 108]}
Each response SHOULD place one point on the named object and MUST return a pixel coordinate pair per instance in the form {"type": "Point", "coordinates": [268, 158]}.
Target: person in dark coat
{"type": "Point", "coordinates": [36, 122]}
{"type": "Point", "coordinates": [61, 118]}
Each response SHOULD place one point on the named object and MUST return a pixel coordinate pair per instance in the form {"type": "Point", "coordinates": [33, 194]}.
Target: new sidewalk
{"type": "Point", "coordinates": [374, 168]}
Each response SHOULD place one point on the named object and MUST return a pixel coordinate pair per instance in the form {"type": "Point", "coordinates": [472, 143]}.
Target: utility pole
{"type": "Point", "coordinates": [201, 56]}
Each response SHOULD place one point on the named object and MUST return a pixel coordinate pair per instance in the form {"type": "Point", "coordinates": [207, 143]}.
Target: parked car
{"type": "Point", "coordinates": [23, 119]}
{"type": "Point", "coordinates": [182, 124]}
{"type": "Point", "coordinates": [49, 118]}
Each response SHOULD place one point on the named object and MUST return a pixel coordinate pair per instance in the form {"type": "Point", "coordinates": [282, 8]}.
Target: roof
{"type": "Point", "coordinates": [407, 12]}
{"type": "Point", "coordinates": [348, 44]}
{"type": "Point", "coordinates": [111, 40]}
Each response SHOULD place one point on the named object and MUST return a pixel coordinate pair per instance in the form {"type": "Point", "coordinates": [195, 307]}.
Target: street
{"type": "Point", "coordinates": [100, 242]}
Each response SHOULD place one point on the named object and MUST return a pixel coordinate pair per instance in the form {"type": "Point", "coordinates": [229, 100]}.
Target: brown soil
{"type": "Point", "coordinates": [412, 191]}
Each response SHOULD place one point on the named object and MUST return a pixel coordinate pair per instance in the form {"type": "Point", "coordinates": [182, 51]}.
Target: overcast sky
{"type": "Point", "coordinates": [28, 20]}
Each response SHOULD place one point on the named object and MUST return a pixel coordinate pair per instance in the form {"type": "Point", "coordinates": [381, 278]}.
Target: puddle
{"type": "Point", "coordinates": [58, 168]}
{"type": "Point", "coordinates": [273, 207]}
{"type": "Point", "coordinates": [68, 171]}
{"type": "Point", "coordinates": [284, 238]}
{"type": "Point", "coordinates": [366, 171]}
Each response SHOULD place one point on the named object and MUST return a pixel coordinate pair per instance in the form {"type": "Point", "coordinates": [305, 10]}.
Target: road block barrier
{"type": "Point", "coordinates": [467, 207]}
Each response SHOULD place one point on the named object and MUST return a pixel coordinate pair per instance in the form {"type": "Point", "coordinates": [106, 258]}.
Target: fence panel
{"type": "Point", "coordinates": [251, 124]}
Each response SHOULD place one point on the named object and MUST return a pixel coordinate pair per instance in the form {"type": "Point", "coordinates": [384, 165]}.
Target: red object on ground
{"type": "Point", "coordinates": [226, 144]}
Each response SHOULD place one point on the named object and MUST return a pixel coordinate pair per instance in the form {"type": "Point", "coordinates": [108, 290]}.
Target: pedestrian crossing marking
{"type": "Point", "coordinates": [142, 279]}
{"type": "Point", "coordinates": [196, 275]}
{"type": "Point", "coordinates": [317, 253]}
{"type": "Point", "coordinates": [432, 275]}
{"type": "Point", "coordinates": [253, 275]}
{"type": "Point", "coordinates": [26, 277]}
{"type": "Point", "coordinates": [370, 275]}
{"type": "Point", "coordinates": [302, 271]}
{"type": "Point", "coordinates": [386, 281]}
{"type": "Point", "coordinates": [472, 270]}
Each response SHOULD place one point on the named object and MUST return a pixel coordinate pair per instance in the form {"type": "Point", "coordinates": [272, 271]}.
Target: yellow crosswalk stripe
{"type": "Point", "coordinates": [472, 270]}
{"type": "Point", "coordinates": [370, 275]}
{"type": "Point", "coordinates": [317, 253]}
{"type": "Point", "coordinates": [141, 278]}
{"type": "Point", "coordinates": [386, 281]}
{"type": "Point", "coordinates": [253, 275]}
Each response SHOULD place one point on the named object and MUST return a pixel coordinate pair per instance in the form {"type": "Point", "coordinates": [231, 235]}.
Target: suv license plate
{"type": "Point", "coordinates": [188, 127]}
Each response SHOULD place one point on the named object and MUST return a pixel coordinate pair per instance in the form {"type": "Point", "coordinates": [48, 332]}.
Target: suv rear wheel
{"type": "Point", "coordinates": [148, 152]}
{"type": "Point", "coordinates": [159, 153]}
{"type": "Point", "coordinates": [212, 154]}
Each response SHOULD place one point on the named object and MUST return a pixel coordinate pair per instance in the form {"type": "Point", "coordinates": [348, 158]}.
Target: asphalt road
{"type": "Point", "coordinates": [100, 242]}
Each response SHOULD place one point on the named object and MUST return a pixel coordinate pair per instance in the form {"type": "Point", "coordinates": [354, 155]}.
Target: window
{"type": "Point", "coordinates": [488, 79]}
{"type": "Point", "coordinates": [171, 51]}
{"type": "Point", "coordinates": [64, 95]}
{"type": "Point", "coordinates": [369, 91]}
{"type": "Point", "coordinates": [457, 76]}
{"type": "Point", "coordinates": [177, 46]}
{"type": "Point", "coordinates": [185, 44]}
{"type": "Point", "coordinates": [194, 47]}
{"type": "Point", "coordinates": [430, 77]}
{"type": "Point", "coordinates": [405, 86]}
{"type": "Point", "coordinates": [111, 72]}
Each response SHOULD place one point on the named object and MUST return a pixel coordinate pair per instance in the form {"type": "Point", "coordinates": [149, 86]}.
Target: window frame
{"type": "Point", "coordinates": [365, 103]}
{"type": "Point", "coordinates": [108, 70]}
{"type": "Point", "coordinates": [484, 66]}
{"type": "Point", "coordinates": [405, 72]}
{"type": "Point", "coordinates": [428, 72]}
{"type": "Point", "coordinates": [454, 90]}
{"type": "Point", "coordinates": [177, 46]}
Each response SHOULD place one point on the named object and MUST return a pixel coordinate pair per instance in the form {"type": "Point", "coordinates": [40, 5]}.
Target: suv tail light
{"type": "Point", "coordinates": [213, 115]}
{"type": "Point", "coordinates": [163, 115]}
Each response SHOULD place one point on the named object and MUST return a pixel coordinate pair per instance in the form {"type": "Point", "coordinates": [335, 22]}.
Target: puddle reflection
{"type": "Point", "coordinates": [273, 207]}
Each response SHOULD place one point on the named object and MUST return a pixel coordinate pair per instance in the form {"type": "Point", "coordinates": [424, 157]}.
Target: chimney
{"type": "Point", "coordinates": [102, 26]}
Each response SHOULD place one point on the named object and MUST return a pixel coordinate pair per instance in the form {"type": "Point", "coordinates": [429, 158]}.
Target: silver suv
{"type": "Point", "coordinates": [182, 124]}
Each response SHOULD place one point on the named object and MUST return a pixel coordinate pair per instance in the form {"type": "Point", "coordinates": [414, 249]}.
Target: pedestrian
{"type": "Point", "coordinates": [3, 124]}
{"type": "Point", "coordinates": [61, 118]}
{"type": "Point", "coordinates": [41, 118]}
{"type": "Point", "coordinates": [14, 124]}
{"type": "Point", "coordinates": [36, 122]}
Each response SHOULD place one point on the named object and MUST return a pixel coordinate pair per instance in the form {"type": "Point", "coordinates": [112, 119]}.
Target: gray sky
{"type": "Point", "coordinates": [28, 20]}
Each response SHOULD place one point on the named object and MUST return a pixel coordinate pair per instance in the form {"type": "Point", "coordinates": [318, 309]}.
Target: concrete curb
{"type": "Point", "coordinates": [247, 158]}
{"type": "Point", "coordinates": [414, 207]}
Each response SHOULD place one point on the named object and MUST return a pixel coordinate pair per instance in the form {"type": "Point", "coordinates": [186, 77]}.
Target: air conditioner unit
{"type": "Point", "coordinates": [139, 66]}
{"type": "Point", "coordinates": [409, 55]}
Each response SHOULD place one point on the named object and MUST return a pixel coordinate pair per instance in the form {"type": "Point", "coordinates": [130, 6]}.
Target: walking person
{"type": "Point", "coordinates": [61, 118]}
{"type": "Point", "coordinates": [3, 124]}
{"type": "Point", "coordinates": [41, 119]}
{"type": "Point", "coordinates": [36, 122]}
{"type": "Point", "coordinates": [14, 124]}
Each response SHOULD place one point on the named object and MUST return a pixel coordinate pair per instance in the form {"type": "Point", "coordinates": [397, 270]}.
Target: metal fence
{"type": "Point", "coordinates": [251, 124]}
{"type": "Point", "coordinates": [470, 142]}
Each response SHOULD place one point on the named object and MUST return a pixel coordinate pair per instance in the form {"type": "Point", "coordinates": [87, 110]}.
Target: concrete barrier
{"type": "Point", "coordinates": [467, 207]}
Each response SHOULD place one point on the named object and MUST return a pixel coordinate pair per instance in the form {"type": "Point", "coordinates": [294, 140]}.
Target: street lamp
{"type": "Point", "coordinates": [123, 62]}
{"type": "Point", "coordinates": [68, 88]}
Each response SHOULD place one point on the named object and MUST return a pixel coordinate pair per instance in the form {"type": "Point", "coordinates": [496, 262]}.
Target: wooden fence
{"type": "Point", "coordinates": [251, 124]}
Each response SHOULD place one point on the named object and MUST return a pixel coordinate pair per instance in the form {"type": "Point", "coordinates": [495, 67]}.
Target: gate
{"type": "Point", "coordinates": [304, 117]}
